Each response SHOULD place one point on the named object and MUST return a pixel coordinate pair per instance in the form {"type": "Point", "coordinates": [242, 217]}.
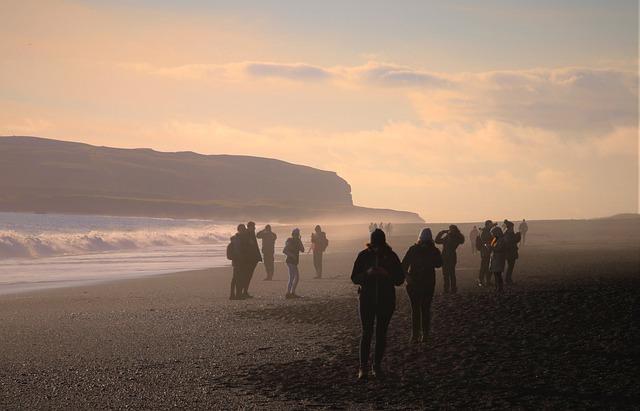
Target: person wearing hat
{"type": "Point", "coordinates": [292, 249]}
{"type": "Point", "coordinates": [484, 246]}
{"type": "Point", "coordinates": [498, 256]}
{"type": "Point", "coordinates": [511, 240]}
{"type": "Point", "coordinates": [377, 271]}
{"type": "Point", "coordinates": [450, 240]}
{"type": "Point", "coordinates": [420, 263]}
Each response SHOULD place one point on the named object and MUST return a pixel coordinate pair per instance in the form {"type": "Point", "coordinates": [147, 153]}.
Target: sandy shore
{"type": "Point", "coordinates": [564, 337]}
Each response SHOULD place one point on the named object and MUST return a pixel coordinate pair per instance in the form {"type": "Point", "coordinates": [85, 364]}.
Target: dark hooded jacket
{"type": "Point", "coordinates": [420, 263]}
{"type": "Point", "coordinates": [450, 241]}
{"type": "Point", "coordinates": [377, 289]}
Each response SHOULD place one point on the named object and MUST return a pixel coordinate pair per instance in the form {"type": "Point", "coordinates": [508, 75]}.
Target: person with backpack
{"type": "Point", "coordinates": [268, 238]}
{"type": "Point", "coordinates": [483, 244]}
{"type": "Point", "coordinates": [420, 263]}
{"type": "Point", "coordinates": [253, 258]}
{"type": "Point", "coordinates": [236, 252]}
{"type": "Point", "coordinates": [292, 249]}
{"type": "Point", "coordinates": [498, 256]}
{"type": "Point", "coordinates": [511, 240]}
{"type": "Point", "coordinates": [319, 244]}
{"type": "Point", "coordinates": [450, 240]}
{"type": "Point", "coordinates": [377, 271]}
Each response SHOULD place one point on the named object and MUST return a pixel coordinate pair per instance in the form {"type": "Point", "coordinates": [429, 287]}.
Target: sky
{"type": "Point", "coordinates": [457, 110]}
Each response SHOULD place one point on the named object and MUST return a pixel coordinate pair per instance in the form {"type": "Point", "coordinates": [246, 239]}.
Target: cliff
{"type": "Point", "coordinates": [42, 175]}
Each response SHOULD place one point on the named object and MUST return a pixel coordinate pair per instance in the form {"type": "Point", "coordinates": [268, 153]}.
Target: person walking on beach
{"type": "Point", "coordinates": [253, 258]}
{"type": "Point", "coordinates": [473, 236]}
{"type": "Point", "coordinates": [483, 244]}
{"type": "Point", "coordinates": [511, 240]}
{"type": "Point", "coordinates": [523, 228]}
{"type": "Point", "coordinates": [389, 230]}
{"type": "Point", "coordinates": [420, 263]}
{"type": "Point", "coordinates": [268, 239]}
{"type": "Point", "coordinates": [292, 249]}
{"type": "Point", "coordinates": [377, 270]}
{"type": "Point", "coordinates": [498, 256]}
{"type": "Point", "coordinates": [319, 244]}
{"type": "Point", "coordinates": [236, 252]}
{"type": "Point", "coordinates": [450, 240]}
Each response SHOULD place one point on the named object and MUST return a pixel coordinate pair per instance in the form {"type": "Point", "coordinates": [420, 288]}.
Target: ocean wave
{"type": "Point", "coordinates": [14, 244]}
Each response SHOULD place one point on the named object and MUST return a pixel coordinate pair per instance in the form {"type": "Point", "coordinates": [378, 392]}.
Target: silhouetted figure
{"type": "Point", "coordinates": [253, 258]}
{"type": "Point", "coordinates": [375, 227]}
{"type": "Point", "coordinates": [236, 252]}
{"type": "Point", "coordinates": [420, 264]}
{"type": "Point", "coordinates": [389, 230]}
{"type": "Point", "coordinates": [319, 244]}
{"type": "Point", "coordinates": [377, 270]}
{"type": "Point", "coordinates": [483, 244]}
{"type": "Point", "coordinates": [523, 228]}
{"type": "Point", "coordinates": [292, 249]}
{"type": "Point", "coordinates": [511, 240]}
{"type": "Point", "coordinates": [381, 226]}
{"type": "Point", "coordinates": [450, 240]}
{"type": "Point", "coordinates": [268, 238]}
{"type": "Point", "coordinates": [473, 236]}
{"type": "Point", "coordinates": [498, 256]}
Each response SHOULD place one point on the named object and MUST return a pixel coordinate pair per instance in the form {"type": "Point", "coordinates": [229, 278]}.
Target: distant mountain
{"type": "Point", "coordinates": [47, 176]}
{"type": "Point", "coordinates": [623, 216]}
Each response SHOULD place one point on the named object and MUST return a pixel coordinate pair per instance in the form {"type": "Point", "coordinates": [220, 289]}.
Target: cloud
{"type": "Point", "coordinates": [301, 72]}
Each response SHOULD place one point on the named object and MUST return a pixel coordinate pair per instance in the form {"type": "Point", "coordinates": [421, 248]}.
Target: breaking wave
{"type": "Point", "coordinates": [14, 244]}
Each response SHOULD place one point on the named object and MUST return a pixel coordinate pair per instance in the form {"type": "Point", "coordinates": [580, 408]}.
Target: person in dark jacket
{"type": "Point", "coordinates": [450, 240]}
{"type": "Point", "coordinates": [319, 244]}
{"type": "Point", "coordinates": [292, 249]}
{"type": "Point", "coordinates": [498, 256]}
{"type": "Point", "coordinates": [420, 264]}
{"type": "Point", "coordinates": [483, 244]}
{"type": "Point", "coordinates": [377, 270]}
{"type": "Point", "coordinates": [237, 253]}
{"type": "Point", "coordinates": [253, 258]}
{"type": "Point", "coordinates": [511, 240]}
{"type": "Point", "coordinates": [268, 238]}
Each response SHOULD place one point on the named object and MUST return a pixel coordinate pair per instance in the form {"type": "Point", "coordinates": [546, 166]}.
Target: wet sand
{"type": "Point", "coordinates": [565, 336]}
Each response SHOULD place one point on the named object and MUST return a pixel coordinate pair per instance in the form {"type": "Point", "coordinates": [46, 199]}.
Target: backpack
{"type": "Point", "coordinates": [230, 250]}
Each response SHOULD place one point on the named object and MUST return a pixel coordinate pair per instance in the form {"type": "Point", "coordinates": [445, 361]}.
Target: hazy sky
{"type": "Point", "coordinates": [459, 110]}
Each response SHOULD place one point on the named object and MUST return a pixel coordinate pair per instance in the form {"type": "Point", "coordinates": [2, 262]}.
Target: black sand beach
{"type": "Point", "coordinates": [565, 336]}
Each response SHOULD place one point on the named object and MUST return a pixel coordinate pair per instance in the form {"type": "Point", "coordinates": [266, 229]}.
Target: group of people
{"type": "Point", "coordinates": [244, 253]}
{"type": "Point", "coordinates": [387, 229]}
{"type": "Point", "coordinates": [378, 270]}
{"type": "Point", "coordinates": [498, 250]}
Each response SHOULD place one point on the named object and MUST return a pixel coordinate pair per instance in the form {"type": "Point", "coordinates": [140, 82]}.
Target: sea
{"type": "Point", "coordinates": [53, 250]}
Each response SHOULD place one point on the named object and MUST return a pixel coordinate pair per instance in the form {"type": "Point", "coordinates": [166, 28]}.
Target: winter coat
{"type": "Point", "coordinates": [420, 263]}
{"type": "Point", "coordinates": [511, 240]}
{"type": "Point", "coordinates": [450, 240]}
{"type": "Point", "coordinates": [292, 249]}
{"type": "Point", "coordinates": [498, 256]}
{"type": "Point", "coordinates": [268, 241]}
{"type": "Point", "coordinates": [378, 289]}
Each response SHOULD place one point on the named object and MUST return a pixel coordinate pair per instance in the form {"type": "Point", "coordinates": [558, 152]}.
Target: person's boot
{"type": "Point", "coordinates": [362, 374]}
